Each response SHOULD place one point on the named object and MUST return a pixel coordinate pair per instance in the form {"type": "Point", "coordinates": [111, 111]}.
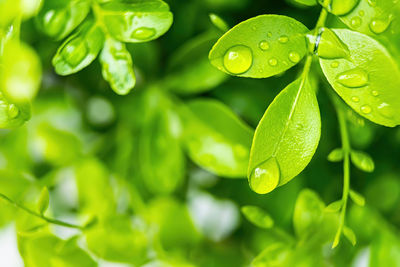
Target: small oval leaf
{"type": "Point", "coordinates": [357, 198]}
{"type": "Point", "coordinates": [257, 216]}
{"type": "Point", "coordinates": [336, 155]}
{"type": "Point", "coordinates": [334, 206]}
{"type": "Point", "coordinates": [288, 132]}
{"type": "Point", "coordinates": [362, 160]}
{"type": "Point", "coordinates": [260, 47]}
{"type": "Point", "coordinates": [350, 235]}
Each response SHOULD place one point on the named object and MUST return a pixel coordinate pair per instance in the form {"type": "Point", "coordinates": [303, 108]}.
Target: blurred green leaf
{"type": "Point", "coordinates": [363, 161]}
{"type": "Point", "coordinates": [44, 200]}
{"type": "Point", "coordinates": [257, 216]}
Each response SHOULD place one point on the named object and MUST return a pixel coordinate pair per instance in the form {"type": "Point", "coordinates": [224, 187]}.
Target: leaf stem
{"type": "Point", "coordinates": [49, 220]}
{"type": "Point", "coordinates": [346, 167]}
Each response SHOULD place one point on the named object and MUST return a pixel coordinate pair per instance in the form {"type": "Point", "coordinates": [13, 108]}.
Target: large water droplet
{"type": "Point", "coordinates": [265, 177]}
{"type": "Point", "coordinates": [330, 46]}
{"type": "Point", "coordinates": [355, 22]}
{"type": "Point", "coordinates": [238, 59]}
{"type": "Point", "coordinates": [264, 45]}
{"type": "Point", "coordinates": [366, 109]}
{"type": "Point", "coordinates": [386, 110]}
{"type": "Point", "coordinates": [143, 33]}
{"type": "Point", "coordinates": [13, 111]}
{"type": "Point", "coordinates": [283, 39]}
{"type": "Point", "coordinates": [273, 62]}
{"type": "Point", "coordinates": [378, 26]}
{"type": "Point", "coordinates": [353, 78]}
{"type": "Point", "coordinates": [294, 57]}
{"type": "Point", "coordinates": [355, 99]}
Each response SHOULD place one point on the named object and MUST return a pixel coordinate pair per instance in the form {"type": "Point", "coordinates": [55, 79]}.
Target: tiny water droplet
{"type": "Point", "coordinates": [375, 93]}
{"type": "Point", "coordinates": [283, 39]}
{"type": "Point", "coordinates": [294, 57]}
{"type": "Point", "coordinates": [265, 177]}
{"type": "Point", "coordinates": [355, 99]}
{"type": "Point", "coordinates": [264, 45]}
{"type": "Point", "coordinates": [386, 110]}
{"type": "Point", "coordinates": [238, 59]}
{"type": "Point", "coordinates": [334, 64]}
{"type": "Point", "coordinates": [366, 109]}
{"type": "Point", "coordinates": [355, 22]}
{"type": "Point", "coordinates": [254, 28]}
{"type": "Point", "coordinates": [361, 13]}
{"type": "Point", "coordinates": [353, 78]}
{"type": "Point", "coordinates": [13, 111]}
{"type": "Point", "coordinates": [143, 33]}
{"type": "Point", "coordinates": [273, 62]}
{"type": "Point", "coordinates": [378, 26]}
{"type": "Point", "coordinates": [269, 34]}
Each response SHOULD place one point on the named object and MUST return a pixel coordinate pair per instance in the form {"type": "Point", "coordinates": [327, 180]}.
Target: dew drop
{"type": "Point", "coordinates": [355, 22]}
{"type": "Point", "coordinates": [283, 39]}
{"type": "Point", "coordinates": [143, 33]}
{"type": "Point", "coordinates": [294, 57]}
{"type": "Point", "coordinates": [361, 13]}
{"type": "Point", "coordinates": [334, 64]}
{"type": "Point", "coordinates": [372, 3]}
{"type": "Point", "coordinates": [273, 62]}
{"type": "Point", "coordinates": [366, 109]}
{"type": "Point", "coordinates": [238, 59]}
{"type": "Point", "coordinates": [355, 99]}
{"type": "Point", "coordinates": [375, 93]}
{"type": "Point", "coordinates": [265, 177]}
{"type": "Point", "coordinates": [269, 34]}
{"type": "Point", "coordinates": [378, 26]}
{"type": "Point", "coordinates": [263, 45]}
{"type": "Point", "coordinates": [13, 111]}
{"type": "Point", "coordinates": [353, 78]}
{"type": "Point", "coordinates": [386, 110]}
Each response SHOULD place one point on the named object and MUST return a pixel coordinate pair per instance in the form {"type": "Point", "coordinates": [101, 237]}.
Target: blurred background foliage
{"type": "Point", "coordinates": [155, 167]}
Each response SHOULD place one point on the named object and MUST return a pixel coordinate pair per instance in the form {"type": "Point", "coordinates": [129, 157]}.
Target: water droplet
{"type": "Point", "coordinates": [265, 177]}
{"type": "Point", "coordinates": [330, 46]}
{"type": "Point", "coordinates": [13, 111]}
{"type": "Point", "coordinates": [264, 45]}
{"type": "Point", "coordinates": [238, 59]}
{"type": "Point", "coordinates": [375, 93]}
{"type": "Point", "coordinates": [355, 22]}
{"type": "Point", "coordinates": [355, 99]}
{"type": "Point", "coordinates": [366, 109]}
{"type": "Point", "coordinates": [269, 34]}
{"type": "Point", "coordinates": [361, 13]}
{"type": "Point", "coordinates": [378, 26]}
{"type": "Point", "coordinates": [143, 33]}
{"type": "Point", "coordinates": [386, 110]}
{"type": "Point", "coordinates": [254, 28]}
{"type": "Point", "coordinates": [353, 78]}
{"type": "Point", "coordinates": [283, 39]}
{"type": "Point", "coordinates": [294, 57]}
{"type": "Point", "coordinates": [273, 62]}
{"type": "Point", "coordinates": [334, 64]}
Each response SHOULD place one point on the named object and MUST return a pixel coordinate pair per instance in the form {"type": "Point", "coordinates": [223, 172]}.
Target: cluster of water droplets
{"type": "Point", "coordinates": [239, 58]}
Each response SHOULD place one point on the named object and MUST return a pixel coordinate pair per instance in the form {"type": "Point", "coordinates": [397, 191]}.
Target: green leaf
{"type": "Point", "coordinates": [285, 139]}
{"type": "Point", "coordinates": [357, 198]}
{"type": "Point", "coordinates": [136, 21]}
{"type": "Point", "coordinates": [305, 2]}
{"type": "Point", "coordinates": [79, 50]}
{"type": "Point", "coordinates": [260, 47]}
{"type": "Point", "coordinates": [334, 206]}
{"type": "Point", "coordinates": [349, 234]}
{"type": "Point", "coordinates": [44, 200]}
{"type": "Point", "coordinates": [336, 155]}
{"type": "Point", "coordinates": [257, 216]}
{"type": "Point", "coordinates": [308, 212]}
{"type": "Point", "coordinates": [58, 18]}
{"type": "Point", "coordinates": [277, 254]}
{"type": "Point", "coordinates": [219, 22]}
{"type": "Point", "coordinates": [362, 160]}
{"type": "Point", "coordinates": [379, 20]}
{"type": "Point", "coordinates": [215, 138]}
{"type": "Point", "coordinates": [362, 80]}
{"type": "Point", "coordinates": [116, 239]}
{"type": "Point", "coordinates": [117, 68]}
{"type": "Point", "coordinates": [17, 57]}
{"type": "Point", "coordinates": [12, 115]}
{"type": "Point", "coordinates": [160, 136]}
